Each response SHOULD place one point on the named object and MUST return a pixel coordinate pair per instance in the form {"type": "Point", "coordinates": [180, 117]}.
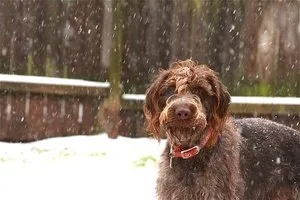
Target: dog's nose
{"type": "Point", "coordinates": [183, 113]}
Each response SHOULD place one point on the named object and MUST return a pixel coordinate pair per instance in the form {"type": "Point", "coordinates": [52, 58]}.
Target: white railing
{"type": "Point", "coordinates": [243, 104]}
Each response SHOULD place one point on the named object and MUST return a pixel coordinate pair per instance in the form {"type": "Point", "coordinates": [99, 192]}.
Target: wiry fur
{"type": "Point", "coordinates": [247, 159]}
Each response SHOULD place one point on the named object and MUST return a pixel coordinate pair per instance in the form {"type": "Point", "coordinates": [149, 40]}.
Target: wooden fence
{"type": "Point", "coordinates": [34, 108]}
{"type": "Point", "coordinates": [285, 110]}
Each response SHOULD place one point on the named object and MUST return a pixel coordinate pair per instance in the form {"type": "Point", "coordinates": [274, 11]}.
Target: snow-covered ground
{"type": "Point", "coordinates": [80, 167]}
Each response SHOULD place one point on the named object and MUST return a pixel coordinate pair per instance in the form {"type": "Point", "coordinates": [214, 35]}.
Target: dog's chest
{"type": "Point", "coordinates": [195, 187]}
{"type": "Point", "coordinates": [202, 180]}
{"type": "Point", "coordinates": [190, 185]}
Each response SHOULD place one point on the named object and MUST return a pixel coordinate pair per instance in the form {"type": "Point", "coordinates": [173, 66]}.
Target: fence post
{"type": "Point", "coordinates": [110, 114]}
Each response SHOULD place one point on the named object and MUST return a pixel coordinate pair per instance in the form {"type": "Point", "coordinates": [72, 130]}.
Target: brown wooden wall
{"type": "Point", "coordinates": [33, 116]}
{"type": "Point", "coordinates": [29, 112]}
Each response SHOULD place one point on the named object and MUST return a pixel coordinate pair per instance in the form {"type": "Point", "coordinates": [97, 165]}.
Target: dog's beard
{"type": "Point", "coordinates": [184, 136]}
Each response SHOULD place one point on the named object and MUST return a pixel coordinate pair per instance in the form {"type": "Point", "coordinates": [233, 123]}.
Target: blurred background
{"type": "Point", "coordinates": [73, 72]}
{"type": "Point", "coordinates": [254, 45]}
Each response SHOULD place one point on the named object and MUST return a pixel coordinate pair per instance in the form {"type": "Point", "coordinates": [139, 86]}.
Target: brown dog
{"type": "Point", "coordinates": [209, 155]}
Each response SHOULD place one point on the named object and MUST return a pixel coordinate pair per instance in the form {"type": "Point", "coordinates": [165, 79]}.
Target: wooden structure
{"type": "Point", "coordinates": [285, 110]}
{"type": "Point", "coordinates": [33, 107]}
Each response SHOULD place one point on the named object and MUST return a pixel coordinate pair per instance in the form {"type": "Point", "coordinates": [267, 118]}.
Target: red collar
{"type": "Point", "coordinates": [180, 152]}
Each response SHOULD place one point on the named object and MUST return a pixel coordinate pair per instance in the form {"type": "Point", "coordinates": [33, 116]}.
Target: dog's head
{"type": "Point", "coordinates": [184, 102]}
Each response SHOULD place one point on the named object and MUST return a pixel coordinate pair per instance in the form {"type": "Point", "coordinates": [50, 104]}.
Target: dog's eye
{"type": "Point", "coordinates": [204, 96]}
{"type": "Point", "coordinates": [198, 92]}
{"type": "Point", "coordinates": [166, 94]}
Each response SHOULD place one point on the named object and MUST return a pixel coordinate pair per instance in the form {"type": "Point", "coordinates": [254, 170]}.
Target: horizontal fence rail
{"type": "Point", "coordinates": [239, 104]}
{"type": "Point", "coordinates": [52, 85]}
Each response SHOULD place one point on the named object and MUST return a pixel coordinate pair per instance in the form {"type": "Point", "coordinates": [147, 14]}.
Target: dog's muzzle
{"type": "Point", "coordinates": [181, 110]}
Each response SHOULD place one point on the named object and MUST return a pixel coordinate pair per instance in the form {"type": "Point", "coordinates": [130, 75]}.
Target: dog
{"type": "Point", "coordinates": [209, 155]}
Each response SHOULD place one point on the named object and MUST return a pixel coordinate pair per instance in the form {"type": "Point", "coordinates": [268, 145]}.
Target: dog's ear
{"type": "Point", "coordinates": [221, 96]}
{"type": "Point", "coordinates": [151, 107]}
{"type": "Point", "coordinates": [223, 100]}
{"type": "Point", "coordinates": [219, 106]}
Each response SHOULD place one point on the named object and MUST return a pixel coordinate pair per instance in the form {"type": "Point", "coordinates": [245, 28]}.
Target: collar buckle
{"type": "Point", "coordinates": [178, 152]}
{"type": "Point", "coordinates": [191, 152]}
